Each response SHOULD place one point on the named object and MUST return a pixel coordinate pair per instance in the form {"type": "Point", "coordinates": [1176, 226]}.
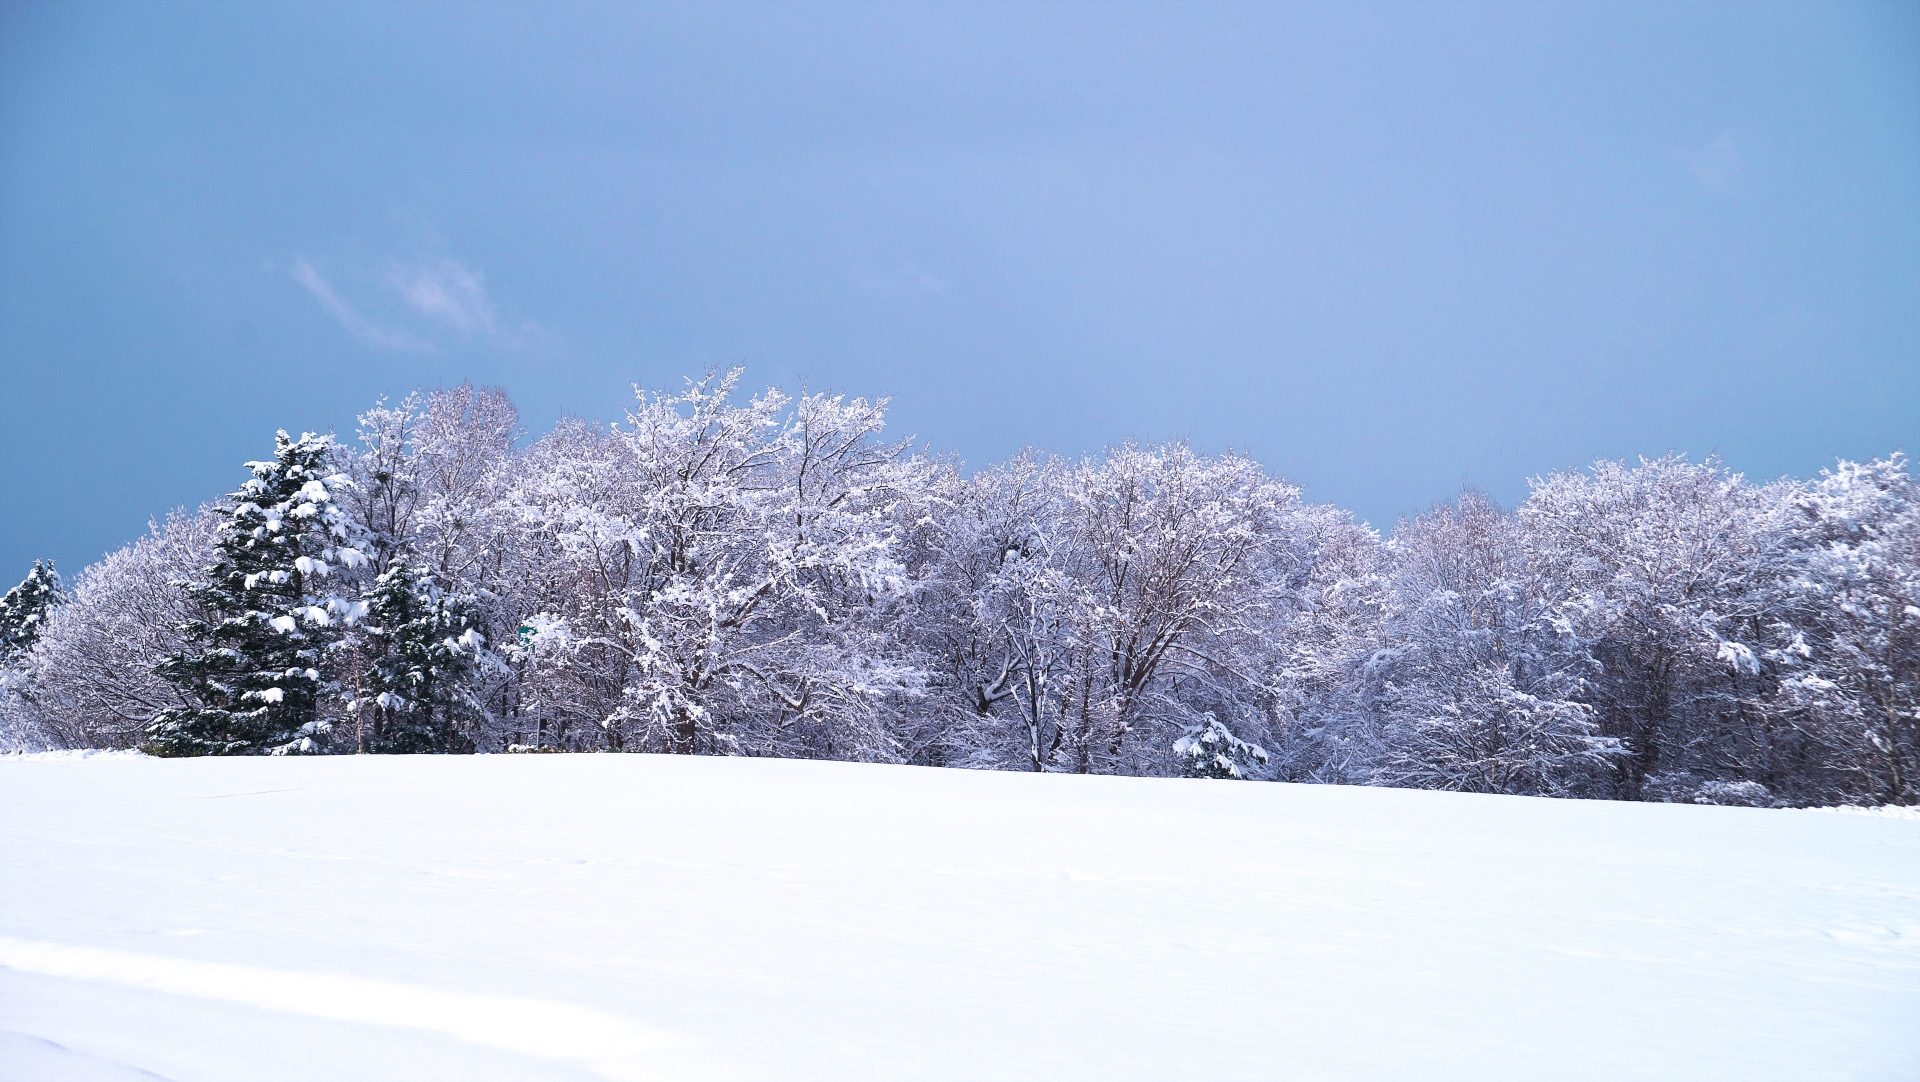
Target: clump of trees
{"type": "Point", "coordinates": [768, 575]}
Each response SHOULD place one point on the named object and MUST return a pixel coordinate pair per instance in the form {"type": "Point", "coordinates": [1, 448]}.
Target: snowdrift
{"type": "Point", "coordinates": [629, 917]}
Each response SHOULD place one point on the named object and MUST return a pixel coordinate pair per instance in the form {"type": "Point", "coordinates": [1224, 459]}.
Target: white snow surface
{"type": "Point", "coordinates": [631, 917]}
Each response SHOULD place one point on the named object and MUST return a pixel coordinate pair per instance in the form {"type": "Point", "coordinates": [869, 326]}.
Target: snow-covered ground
{"type": "Point", "coordinates": [573, 917]}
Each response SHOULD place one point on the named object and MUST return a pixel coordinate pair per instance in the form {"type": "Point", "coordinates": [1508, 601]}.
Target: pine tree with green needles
{"type": "Point", "coordinates": [24, 611]}
{"type": "Point", "coordinates": [425, 649]}
{"type": "Point", "coordinates": [1212, 751]}
{"type": "Point", "coordinates": [253, 669]}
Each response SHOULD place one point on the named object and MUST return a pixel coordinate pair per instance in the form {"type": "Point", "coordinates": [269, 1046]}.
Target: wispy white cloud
{"type": "Point", "coordinates": [437, 297]}
{"type": "Point", "coordinates": [1717, 165]}
{"type": "Point", "coordinates": [350, 318]}
{"type": "Point", "coordinates": [447, 292]}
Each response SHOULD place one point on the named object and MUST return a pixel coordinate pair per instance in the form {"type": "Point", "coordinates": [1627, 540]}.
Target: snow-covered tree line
{"type": "Point", "coordinates": [767, 575]}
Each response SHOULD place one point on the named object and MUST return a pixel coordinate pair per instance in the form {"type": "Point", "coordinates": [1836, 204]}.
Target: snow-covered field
{"type": "Point", "coordinates": [574, 917]}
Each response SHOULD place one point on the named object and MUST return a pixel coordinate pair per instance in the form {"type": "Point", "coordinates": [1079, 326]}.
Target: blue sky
{"type": "Point", "coordinates": [1386, 249]}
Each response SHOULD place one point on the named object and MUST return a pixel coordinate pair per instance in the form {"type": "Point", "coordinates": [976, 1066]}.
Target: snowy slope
{"type": "Point", "coordinates": [574, 917]}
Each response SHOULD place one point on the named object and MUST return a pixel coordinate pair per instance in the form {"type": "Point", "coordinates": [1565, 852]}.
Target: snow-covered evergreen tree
{"type": "Point", "coordinates": [252, 671]}
{"type": "Point", "coordinates": [24, 611]}
{"type": "Point", "coordinates": [1210, 750]}
{"type": "Point", "coordinates": [424, 648]}
{"type": "Point", "coordinates": [23, 618]}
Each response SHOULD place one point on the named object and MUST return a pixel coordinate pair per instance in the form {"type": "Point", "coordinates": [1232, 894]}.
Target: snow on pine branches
{"type": "Point", "coordinates": [252, 670]}
{"type": "Point", "coordinates": [1211, 751]}
{"type": "Point", "coordinates": [24, 611]}
{"type": "Point", "coordinates": [422, 649]}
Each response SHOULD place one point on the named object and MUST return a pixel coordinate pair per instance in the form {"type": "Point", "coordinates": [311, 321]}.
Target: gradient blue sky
{"type": "Point", "coordinates": [1383, 248]}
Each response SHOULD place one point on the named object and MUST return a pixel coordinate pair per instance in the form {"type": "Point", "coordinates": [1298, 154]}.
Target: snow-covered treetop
{"type": "Point", "coordinates": [25, 608]}
{"type": "Point", "coordinates": [293, 494]}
